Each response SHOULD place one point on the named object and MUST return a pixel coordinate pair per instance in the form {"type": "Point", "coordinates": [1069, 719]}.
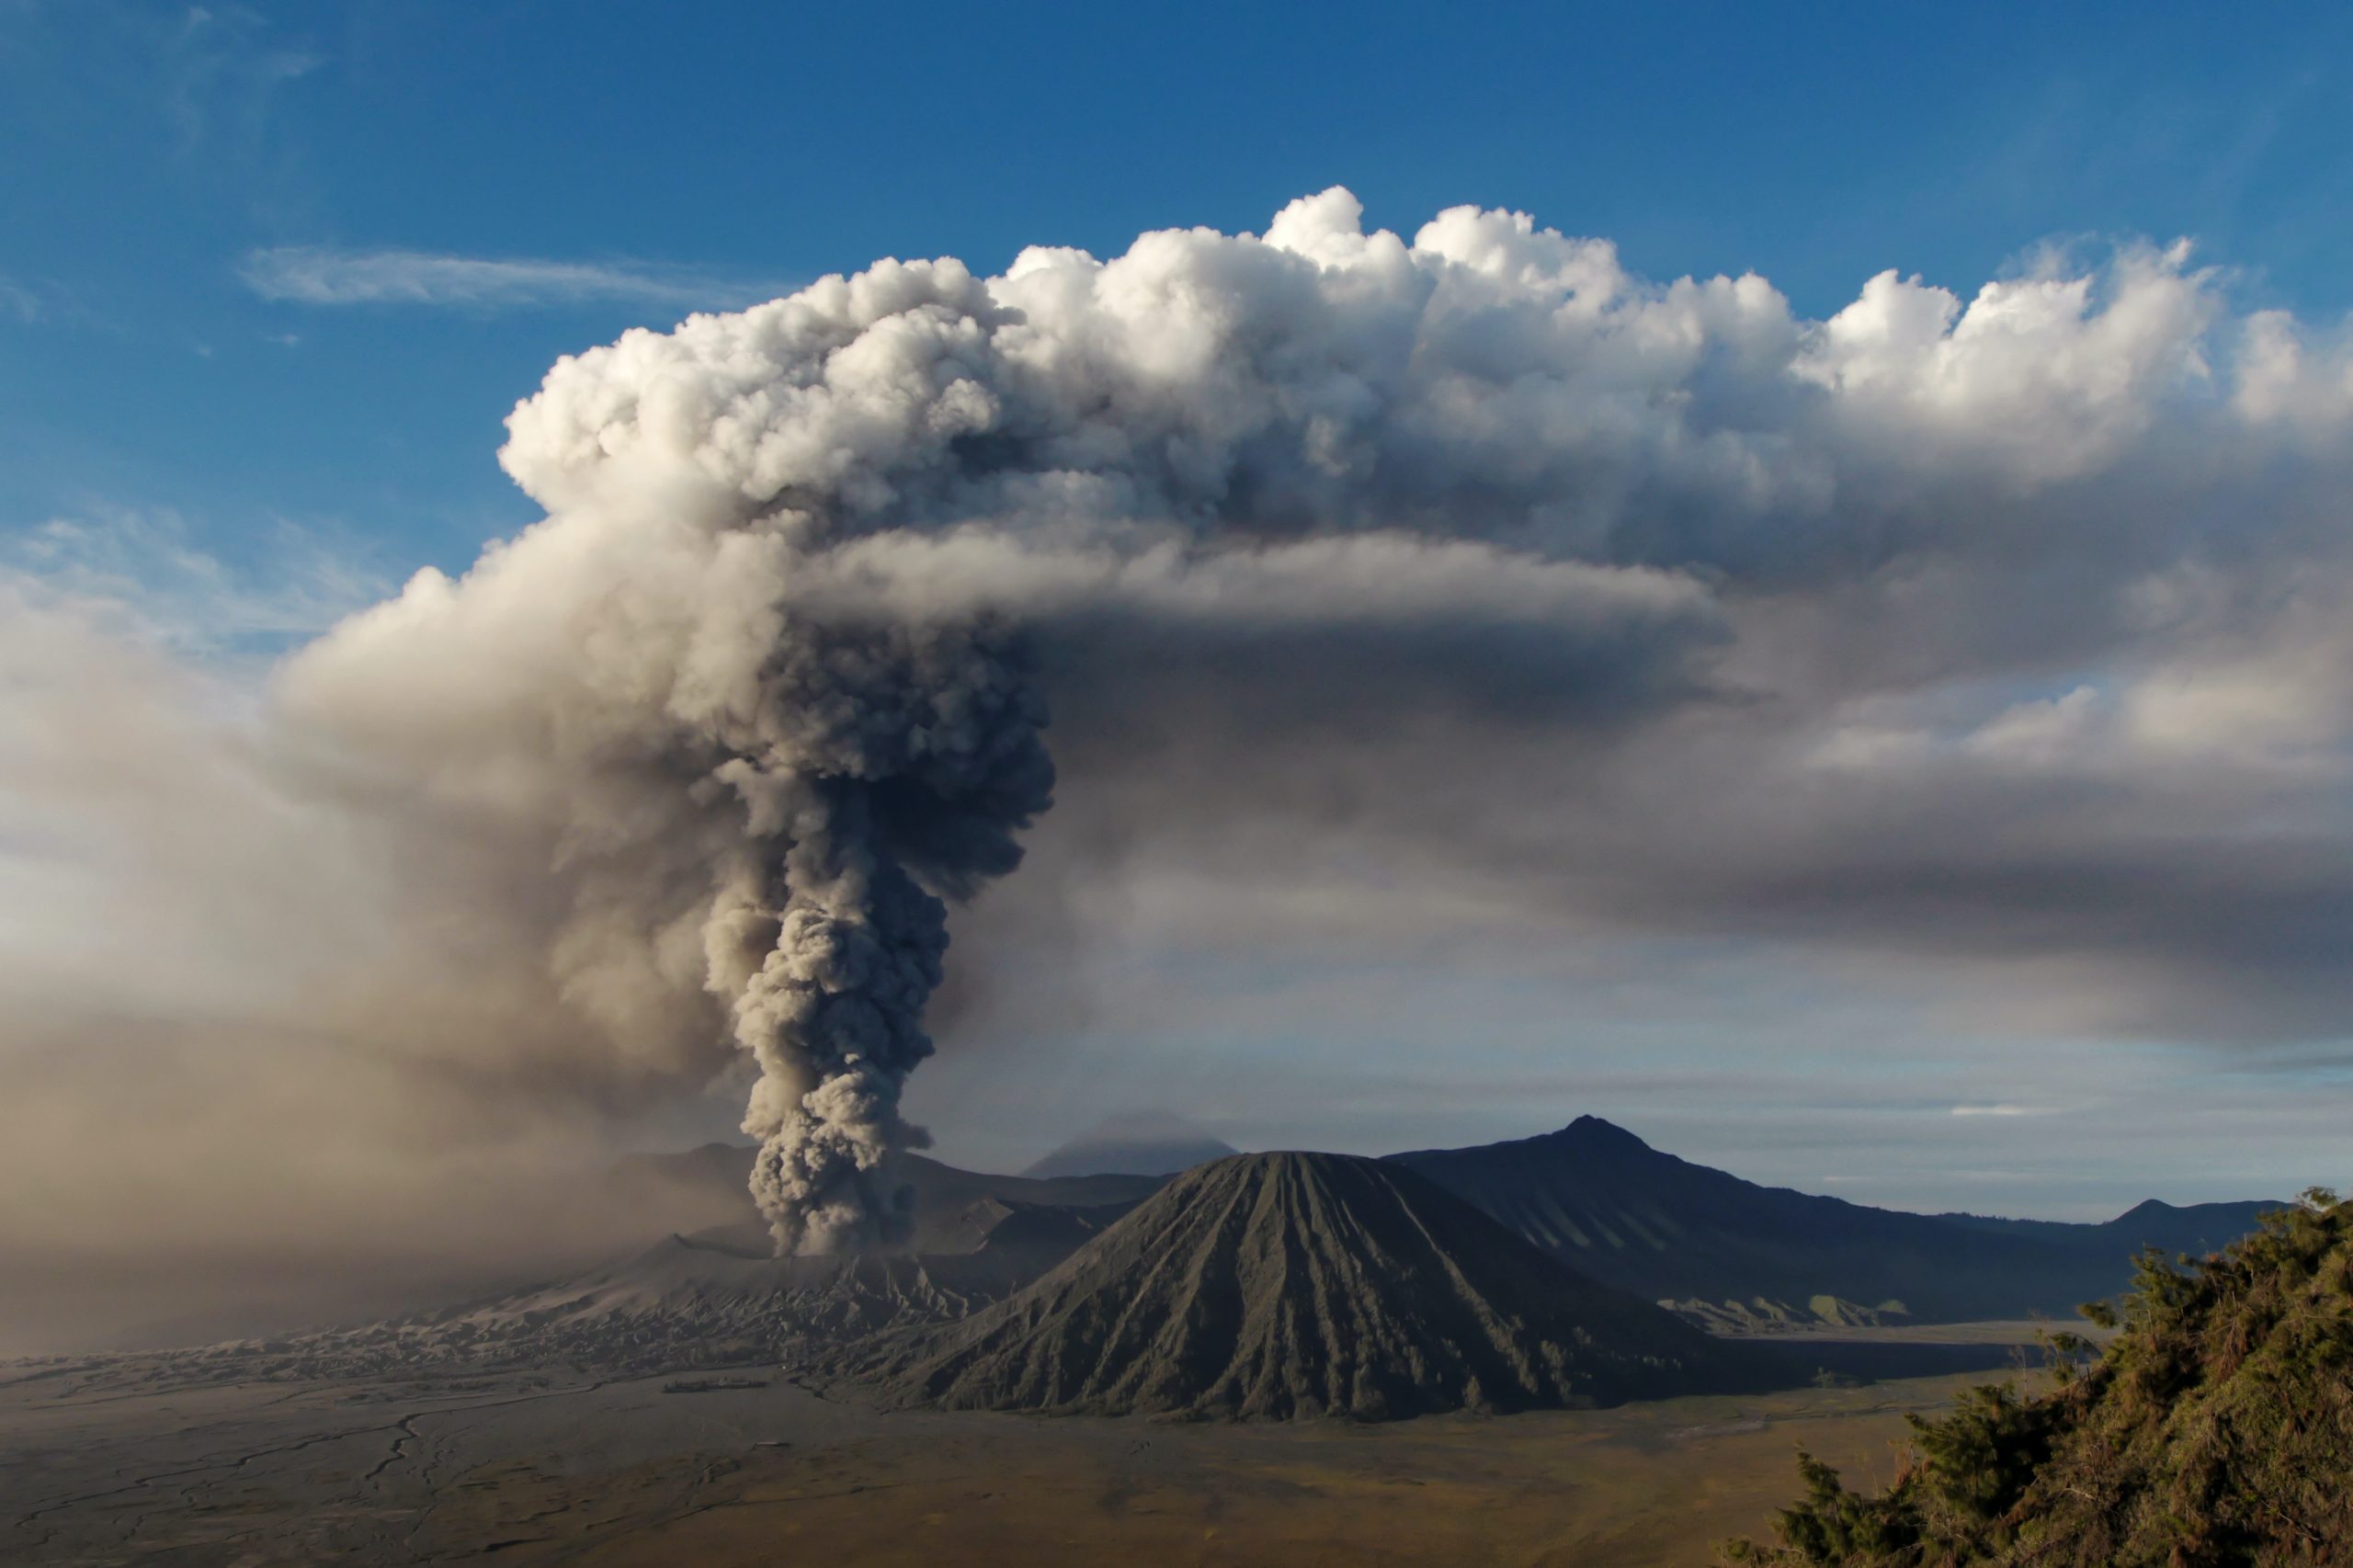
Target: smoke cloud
{"type": "Point", "coordinates": [770, 679]}
{"type": "Point", "coordinates": [765, 677]}
{"type": "Point", "coordinates": [1468, 572]}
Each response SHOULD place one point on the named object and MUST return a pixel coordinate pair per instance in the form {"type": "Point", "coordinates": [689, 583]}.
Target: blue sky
{"type": "Point", "coordinates": [272, 274]}
{"type": "Point", "coordinates": [732, 148]}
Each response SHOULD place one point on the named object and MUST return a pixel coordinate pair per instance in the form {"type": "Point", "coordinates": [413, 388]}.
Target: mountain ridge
{"type": "Point", "coordinates": [1290, 1284]}
{"type": "Point", "coordinates": [1609, 1204]}
{"type": "Point", "coordinates": [1729, 1252]}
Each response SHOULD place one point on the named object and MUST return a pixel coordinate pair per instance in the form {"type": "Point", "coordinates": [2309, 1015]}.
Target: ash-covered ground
{"type": "Point", "coordinates": [702, 1401]}
{"type": "Point", "coordinates": [557, 1467]}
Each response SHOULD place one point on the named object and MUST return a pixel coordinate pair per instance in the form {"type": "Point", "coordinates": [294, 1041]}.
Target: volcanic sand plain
{"type": "Point", "coordinates": [559, 1467]}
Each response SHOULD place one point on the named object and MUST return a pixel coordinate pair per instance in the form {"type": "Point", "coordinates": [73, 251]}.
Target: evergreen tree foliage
{"type": "Point", "coordinates": [2215, 1430]}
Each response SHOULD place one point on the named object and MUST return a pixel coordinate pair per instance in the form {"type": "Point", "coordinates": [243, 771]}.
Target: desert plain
{"type": "Point", "coordinates": [557, 1467]}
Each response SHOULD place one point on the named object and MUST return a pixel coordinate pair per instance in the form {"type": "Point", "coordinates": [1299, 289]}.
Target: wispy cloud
{"type": "Point", "coordinates": [2004, 1110]}
{"type": "Point", "coordinates": [223, 73]}
{"type": "Point", "coordinates": [141, 572]}
{"type": "Point", "coordinates": [43, 301]}
{"type": "Point", "coordinates": [324, 275]}
{"type": "Point", "coordinates": [19, 301]}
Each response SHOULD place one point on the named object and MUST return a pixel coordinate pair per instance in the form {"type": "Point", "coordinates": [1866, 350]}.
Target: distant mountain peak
{"type": "Point", "coordinates": [2148, 1208]}
{"type": "Point", "coordinates": [1593, 1130]}
{"type": "Point", "coordinates": [1662, 1227]}
{"type": "Point", "coordinates": [1151, 1143]}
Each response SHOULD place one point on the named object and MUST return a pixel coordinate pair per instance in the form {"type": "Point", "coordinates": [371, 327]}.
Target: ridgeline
{"type": "Point", "coordinates": [2216, 1428]}
{"type": "Point", "coordinates": [1287, 1285]}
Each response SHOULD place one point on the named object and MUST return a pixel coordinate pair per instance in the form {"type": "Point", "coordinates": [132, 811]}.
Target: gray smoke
{"type": "Point", "coordinates": [761, 685]}
{"type": "Point", "coordinates": [761, 696]}
{"type": "Point", "coordinates": [884, 767]}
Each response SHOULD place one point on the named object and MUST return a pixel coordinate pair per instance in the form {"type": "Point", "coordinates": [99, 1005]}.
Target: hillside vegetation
{"type": "Point", "coordinates": [2216, 1428]}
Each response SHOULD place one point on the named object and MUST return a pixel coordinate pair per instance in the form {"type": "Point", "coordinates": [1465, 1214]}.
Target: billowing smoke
{"type": "Point", "coordinates": [765, 692]}
{"type": "Point", "coordinates": [765, 796]}
{"type": "Point", "coordinates": [883, 767]}
{"type": "Point", "coordinates": [763, 679]}
{"type": "Point", "coordinates": [1410, 611]}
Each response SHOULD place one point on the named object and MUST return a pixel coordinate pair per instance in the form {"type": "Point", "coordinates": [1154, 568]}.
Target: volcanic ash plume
{"type": "Point", "coordinates": [1290, 522]}
{"type": "Point", "coordinates": [883, 765]}
{"type": "Point", "coordinates": [733, 808]}
{"type": "Point", "coordinates": [755, 700]}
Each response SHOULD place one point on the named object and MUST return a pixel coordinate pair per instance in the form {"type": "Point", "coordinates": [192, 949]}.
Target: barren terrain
{"type": "Point", "coordinates": [554, 1467]}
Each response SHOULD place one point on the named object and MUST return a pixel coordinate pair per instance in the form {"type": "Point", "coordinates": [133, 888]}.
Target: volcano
{"type": "Point", "coordinates": [1290, 1285]}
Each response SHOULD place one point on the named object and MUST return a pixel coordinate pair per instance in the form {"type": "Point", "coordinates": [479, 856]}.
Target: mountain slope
{"type": "Point", "coordinates": [1290, 1285]}
{"type": "Point", "coordinates": [1611, 1207]}
{"type": "Point", "coordinates": [1727, 1251]}
{"type": "Point", "coordinates": [2216, 1428]}
{"type": "Point", "coordinates": [712, 1299]}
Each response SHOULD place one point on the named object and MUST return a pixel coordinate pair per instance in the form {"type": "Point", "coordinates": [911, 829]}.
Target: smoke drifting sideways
{"type": "Point", "coordinates": [768, 673]}
{"type": "Point", "coordinates": [1639, 605]}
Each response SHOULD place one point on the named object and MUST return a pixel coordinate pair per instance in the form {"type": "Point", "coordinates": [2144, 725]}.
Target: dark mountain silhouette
{"type": "Point", "coordinates": [2196, 1229]}
{"type": "Point", "coordinates": [1290, 1285]}
{"type": "Point", "coordinates": [1135, 1145]}
{"type": "Point", "coordinates": [1613, 1208]}
{"type": "Point", "coordinates": [1728, 1252]}
{"type": "Point", "coordinates": [1262, 1285]}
